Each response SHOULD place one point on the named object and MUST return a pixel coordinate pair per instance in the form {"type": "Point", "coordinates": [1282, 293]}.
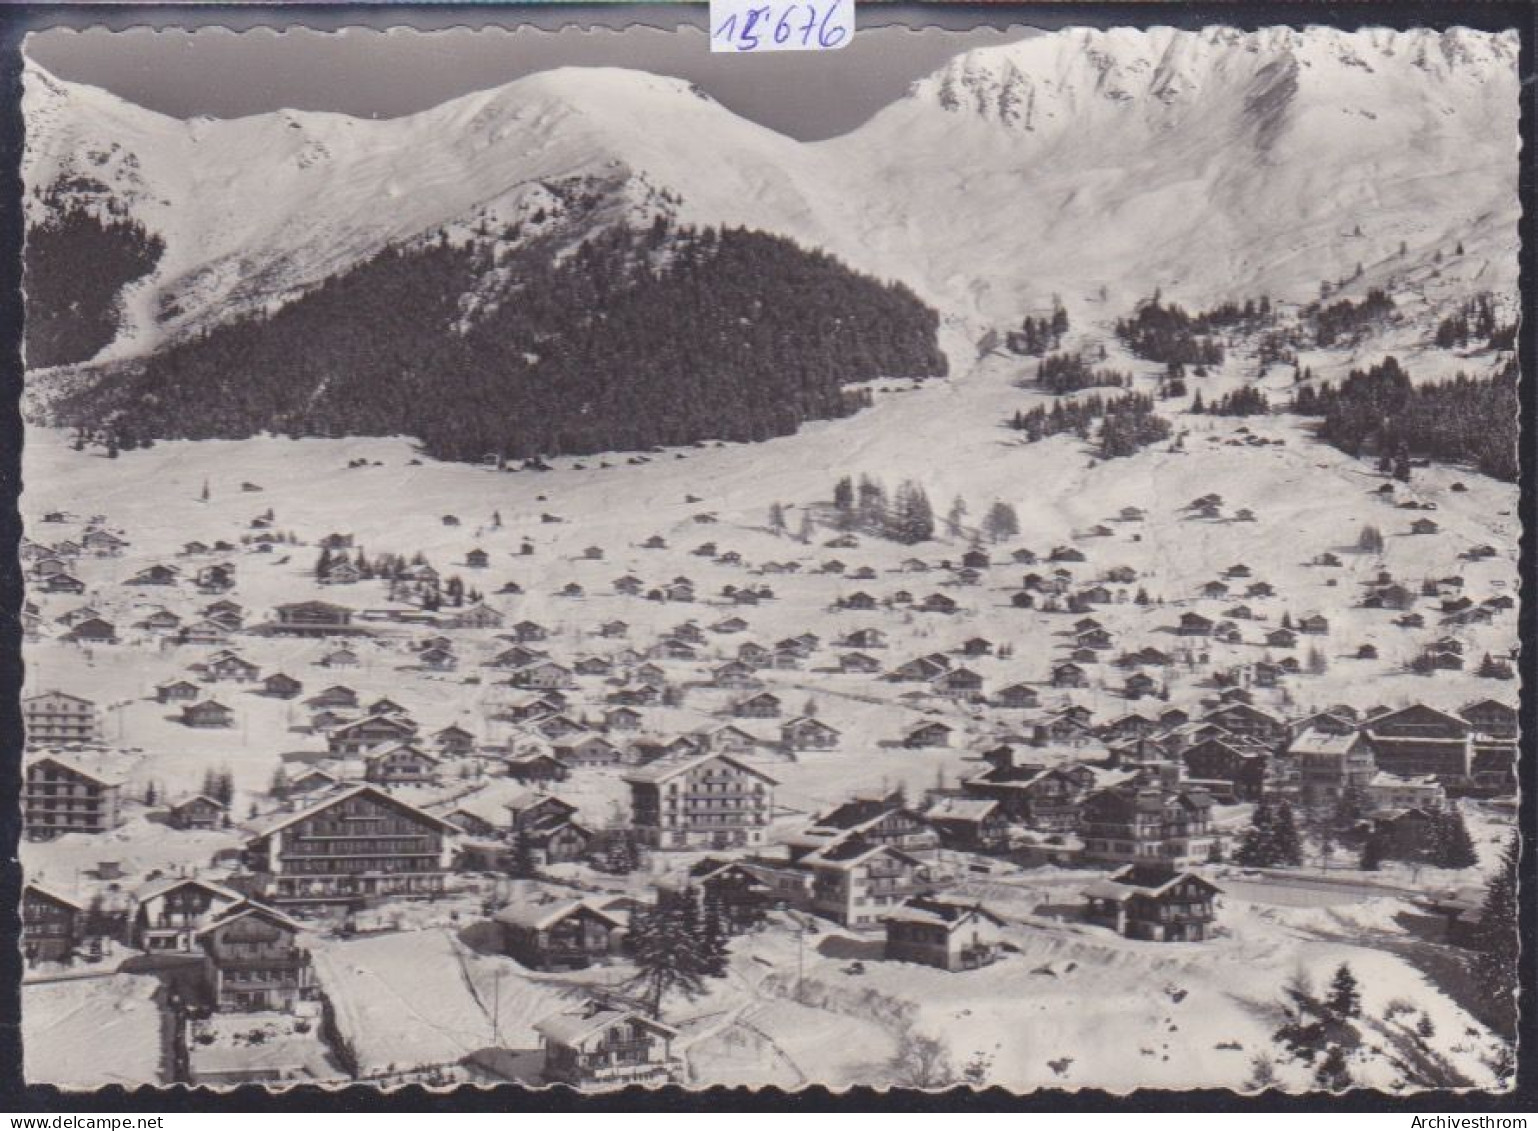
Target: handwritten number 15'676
{"type": "Point", "coordinates": [747, 30]}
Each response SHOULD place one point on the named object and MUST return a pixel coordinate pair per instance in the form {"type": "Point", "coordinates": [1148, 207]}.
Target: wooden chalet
{"type": "Point", "coordinates": [349, 848]}
{"type": "Point", "coordinates": [1154, 903]}
{"type": "Point", "coordinates": [563, 934]}
{"type": "Point", "coordinates": [601, 1045]}
{"type": "Point", "coordinates": [942, 933]}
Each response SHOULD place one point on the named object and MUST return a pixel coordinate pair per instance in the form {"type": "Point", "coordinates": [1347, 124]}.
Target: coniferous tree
{"type": "Point", "coordinates": [1257, 847]}
{"type": "Point", "coordinates": [843, 502]}
{"type": "Point", "coordinates": [667, 955]}
{"type": "Point", "coordinates": [1382, 411]}
{"type": "Point", "coordinates": [714, 936]}
{"type": "Point", "coordinates": [913, 520]}
{"type": "Point", "coordinates": [77, 262]}
{"type": "Point", "coordinates": [955, 517]}
{"type": "Point", "coordinates": [1289, 846]}
{"type": "Point", "coordinates": [1451, 844]}
{"type": "Point", "coordinates": [871, 505]}
{"type": "Point", "coordinates": [1345, 998]}
{"type": "Point", "coordinates": [1496, 942]}
{"type": "Point", "coordinates": [732, 335]}
{"type": "Point", "coordinates": [520, 861]}
{"type": "Point", "coordinates": [1001, 522]}
{"type": "Point", "coordinates": [1333, 1074]}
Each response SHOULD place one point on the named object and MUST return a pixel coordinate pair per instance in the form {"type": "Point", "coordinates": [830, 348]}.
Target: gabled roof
{"type": "Point", "coordinates": [275, 822]}
{"type": "Point", "coordinates": [246, 908]}
{"type": "Point", "coordinates": [108, 777]}
{"type": "Point", "coordinates": [658, 772]}
{"type": "Point", "coordinates": [542, 916]}
{"type": "Point", "coordinates": [1129, 881]}
{"type": "Point", "coordinates": [845, 853]}
{"type": "Point", "coordinates": [384, 750]}
{"type": "Point", "coordinates": [52, 694]}
{"type": "Point", "coordinates": [199, 797]}
{"type": "Point", "coordinates": [1377, 721]}
{"type": "Point", "coordinates": [53, 895]}
{"type": "Point", "coordinates": [573, 1027]}
{"type": "Point", "coordinates": [161, 887]}
{"type": "Point", "coordinates": [929, 909]}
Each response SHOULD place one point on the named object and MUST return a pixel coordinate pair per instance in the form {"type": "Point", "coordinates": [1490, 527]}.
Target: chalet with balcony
{"type": "Point", "coordinates": [230, 668]}
{"type": "Point", "coordinates": [207, 715]}
{"type": "Point", "coordinates": [312, 618]}
{"type": "Point", "coordinates": [355, 738]}
{"type": "Point", "coordinates": [1154, 903]}
{"type": "Point", "coordinates": [1331, 763]}
{"type": "Point", "coordinates": [1194, 624]}
{"type": "Point", "coordinates": [806, 733]}
{"type": "Point", "coordinates": [52, 924]}
{"type": "Point", "coordinates": [1147, 824]}
{"type": "Point", "coordinates": [1069, 675]}
{"type": "Point", "coordinates": [399, 763]}
{"type": "Point", "coordinates": [968, 824]}
{"type": "Point", "coordinates": [884, 820]}
{"type": "Point", "coordinates": [563, 934]}
{"type": "Point", "coordinates": [764, 705]}
{"type": "Point", "coordinates": [856, 882]}
{"type": "Point", "coordinates": [254, 960]}
{"type": "Point", "coordinates": [1017, 697]}
{"type": "Point", "coordinates": [198, 813]}
{"type": "Point", "coordinates": [350, 848]}
{"type": "Point", "coordinates": [1240, 767]}
{"type": "Point", "coordinates": [1419, 740]}
{"type": "Point", "coordinates": [600, 1045]}
{"type": "Point", "coordinates": [958, 683]}
{"type": "Point", "coordinates": [168, 915]}
{"type": "Point", "coordinates": [942, 933]}
{"type": "Point", "coordinates": [178, 691]}
{"type": "Point", "coordinates": [61, 794]}
{"type": "Point", "coordinates": [56, 718]}
{"type": "Point", "coordinates": [712, 800]}
{"type": "Point", "coordinates": [1247, 721]}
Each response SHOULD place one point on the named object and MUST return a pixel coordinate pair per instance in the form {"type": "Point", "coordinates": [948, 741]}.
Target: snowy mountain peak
{"type": "Point", "coordinates": [1082, 162]}
{"type": "Point", "coordinates": [1066, 76]}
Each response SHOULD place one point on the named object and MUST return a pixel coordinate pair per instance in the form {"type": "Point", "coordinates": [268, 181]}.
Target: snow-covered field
{"type": "Point", "coordinates": [1112, 1019]}
{"type": "Point", "coordinates": [84, 1033]}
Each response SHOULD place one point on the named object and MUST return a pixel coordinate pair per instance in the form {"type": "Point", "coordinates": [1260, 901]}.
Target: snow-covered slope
{"type": "Point", "coordinates": [1210, 163]}
{"type": "Point", "coordinates": [253, 209]}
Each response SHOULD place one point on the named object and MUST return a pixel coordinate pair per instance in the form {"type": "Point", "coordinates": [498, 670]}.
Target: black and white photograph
{"type": "Point", "coordinates": [982, 558]}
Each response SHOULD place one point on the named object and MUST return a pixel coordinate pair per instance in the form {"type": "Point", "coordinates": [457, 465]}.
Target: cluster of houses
{"type": "Point", "coordinates": [365, 817]}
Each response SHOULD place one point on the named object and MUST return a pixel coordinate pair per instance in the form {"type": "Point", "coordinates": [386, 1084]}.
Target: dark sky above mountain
{"type": "Point", "coordinates": [361, 71]}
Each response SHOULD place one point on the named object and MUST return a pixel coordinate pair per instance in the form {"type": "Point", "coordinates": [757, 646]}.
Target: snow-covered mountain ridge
{"type": "Point", "coordinates": [1091, 164]}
